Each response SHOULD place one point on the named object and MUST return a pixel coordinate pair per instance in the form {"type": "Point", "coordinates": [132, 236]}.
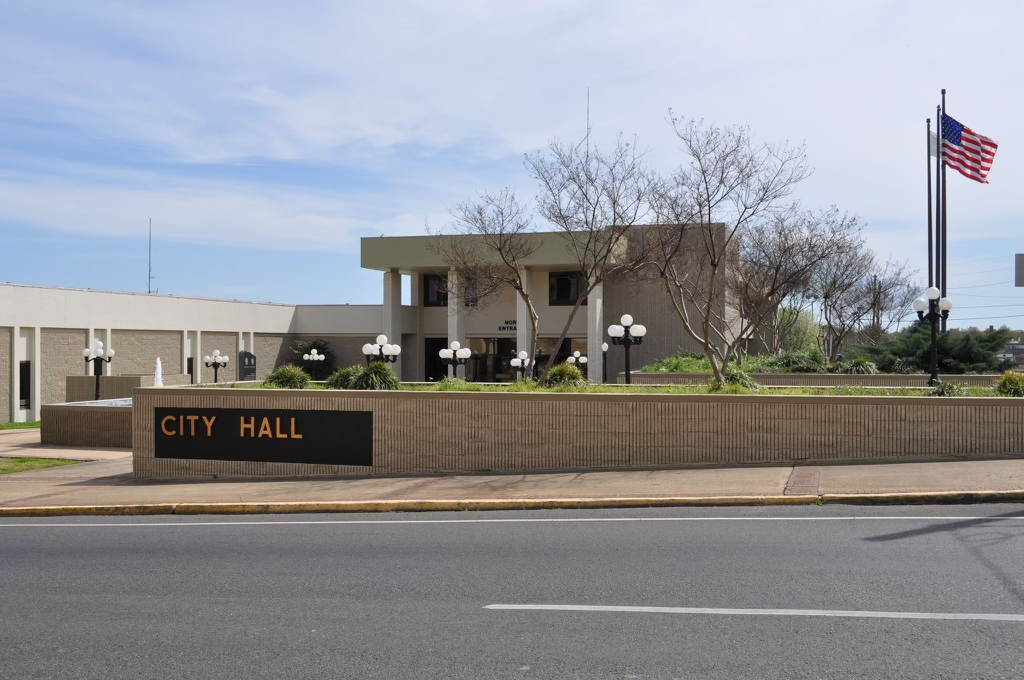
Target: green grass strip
{"type": "Point", "coordinates": [20, 426]}
{"type": "Point", "coordinates": [10, 465]}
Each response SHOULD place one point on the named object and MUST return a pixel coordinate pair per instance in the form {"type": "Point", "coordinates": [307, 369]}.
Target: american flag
{"type": "Point", "coordinates": [966, 151]}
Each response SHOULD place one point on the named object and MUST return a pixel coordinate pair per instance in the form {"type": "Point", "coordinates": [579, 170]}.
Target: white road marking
{"type": "Point", "coordinates": [522, 520]}
{"type": "Point", "coordinates": [1017, 618]}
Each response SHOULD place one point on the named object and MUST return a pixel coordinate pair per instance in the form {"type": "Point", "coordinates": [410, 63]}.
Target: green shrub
{"type": "Point", "coordinates": [901, 365]}
{"type": "Point", "coordinates": [948, 389]}
{"type": "Point", "coordinates": [318, 370]}
{"type": "Point", "coordinates": [564, 374]}
{"type": "Point", "coordinates": [343, 377]}
{"type": "Point", "coordinates": [858, 366]}
{"type": "Point", "coordinates": [734, 377]}
{"type": "Point", "coordinates": [1011, 384]}
{"type": "Point", "coordinates": [800, 362]}
{"type": "Point", "coordinates": [377, 376]}
{"type": "Point", "coordinates": [289, 376]}
{"type": "Point", "coordinates": [456, 385]}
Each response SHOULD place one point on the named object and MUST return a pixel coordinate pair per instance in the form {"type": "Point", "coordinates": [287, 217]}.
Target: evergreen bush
{"type": "Point", "coordinates": [1011, 384]}
{"type": "Point", "coordinates": [564, 374]}
{"type": "Point", "coordinates": [948, 389]}
{"type": "Point", "coordinates": [343, 377]}
{"type": "Point", "coordinates": [734, 377]}
{"type": "Point", "coordinates": [377, 376]}
{"type": "Point", "coordinates": [289, 377]}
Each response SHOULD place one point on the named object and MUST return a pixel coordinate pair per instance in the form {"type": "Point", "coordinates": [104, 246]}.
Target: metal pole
{"type": "Point", "coordinates": [942, 288]}
{"type": "Point", "coordinates": [97, 370]}
{"type": "Point", "coordinates": [626, 343]}
{"type": "Point", "coordinates": [928, 176]}
{"type": "Point", "coordinates": [933, 318]}
{"type": "Point", "coordinates": [938, 201]}
{"type": "Point", "coordinates": [604, 365]}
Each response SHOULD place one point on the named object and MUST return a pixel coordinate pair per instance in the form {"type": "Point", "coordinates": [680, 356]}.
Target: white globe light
{"type": "Point", "coordinates": [526, 362]}
{"type": "Point", "coordinates": [583, 360]}
{"type": "Point", "coordinates": [386, 349]}
{"type": "Point", "coordinates": [86, 352]}
{"type": "Point", "coordinates": [455, 344]}
{"type": "Point", "coordinates": [571, 360]}
{"type": "Point", "coordinates": [98, 344]}
{"type": "Point", "coordinates": [638, 330]}
{"type": "Point", "coordinates": [626, 320]}
{"type": "Point", "coordinates": [945, 304]}
{"type": "Point", "coordinates": [216, 352]}
{"type": "Point", "coordinates": [604, 346]}
{"type": "Point", "coordinates": [616, 331]}
{"type": "Point", "coordinates": [305, 357]}
{"type": "Point", "coordinates": [223, 357]}
{"type": "Point", "coordinates": [576, 354]}
{"type": "Point", "coordinates": [110, 350]}
{"type": "Point", "coordinates": [376, 348]}
{"type": "Point", "coordinates": [920, 304]}
{"type": "Point", "coordinates": [517, 362]}
{"type": "Point", "coordinates": [443, 353]}
{"type": "Point", "coordinates": [524, 354]}
{"type": "Point", "coordinates": [367, 349]}
{"type": "Point", "coordinates": [206, 359]}
{"type": "Point", "coordinates": [396, 349]}
{"type": "Point", "coordinates": [382, 339]}
{"type": "Point", "coordinates": [933, 293]}
{"type": "Point", "coordinates": [466, 352]}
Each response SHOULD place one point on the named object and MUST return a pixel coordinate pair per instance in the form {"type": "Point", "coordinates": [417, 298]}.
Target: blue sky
{"type": "Point", "coordinates": [264, 139]}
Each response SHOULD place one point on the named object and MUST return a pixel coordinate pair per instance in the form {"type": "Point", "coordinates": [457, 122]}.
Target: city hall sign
{"type": "Point", "coordinates": [265, 435]}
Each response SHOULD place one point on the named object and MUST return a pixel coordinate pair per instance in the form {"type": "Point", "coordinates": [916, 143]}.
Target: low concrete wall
{"type": "Point", "coordinates": [814, 379]}
{"type": "Point", "coordinates": [471, 431]}
{"type": "Point", "coordinates": [77, 425]}
{"type": "Point", "coordinates": [83, 387]}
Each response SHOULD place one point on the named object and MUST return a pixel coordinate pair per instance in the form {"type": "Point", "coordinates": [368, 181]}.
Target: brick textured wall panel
{"type": "Point", "coordinates": [448, 431]}
{"type": "Point", "coordinates": [6, 352]}
{"type": "Point", "coordinates": [227, 343]}
{"type": "Point", "coordinates": [62, 356]}
{"type": "Point", "coordinates": [137, 352]}
{"type": "Point", "coordinates": [83, 387]}
{"type": "Point", "coordinates": [102, 426]}
{"type": "Point", "coordinates": [271, 352]}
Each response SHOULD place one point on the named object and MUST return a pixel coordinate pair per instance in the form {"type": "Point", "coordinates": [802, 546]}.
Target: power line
{"type": "Point", "coordinates": [984, 285]}
{"type": "Point", "coordinates": [984, 259]}
{"type": "Point", "coordinates": [991, 306]}
{"type": "Point", "coordinates": [991, 297]}
{"type": "Point", "coordinates": [986, 271]}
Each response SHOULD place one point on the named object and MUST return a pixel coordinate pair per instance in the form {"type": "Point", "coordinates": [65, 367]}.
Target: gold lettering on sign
{"type": "Point", "coordinates": [192, 421]}
{"type": "Point", "coordinates": [277, 429]}
{"type": "Point", "coordinates": [295, 435]}
{"type": "Point", "coordinates": [181, 425]}
{"type": "Point", "coordinates": [251, 426]}
{"type": "Point", "coordinates": [265, 427]}
{"type": "Point", "coordinates": [163, 425]}
{"type": "Point", "coordinates": [209, 425]}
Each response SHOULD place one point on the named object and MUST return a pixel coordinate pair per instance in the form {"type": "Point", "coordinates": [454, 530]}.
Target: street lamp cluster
{"type": "Point", "coordinates": [521, 364]}
{"type": "Point", "coordinates": [627, 334]}
{"type": "Point", "coordinates": [216, 361]}
{"type": "Point", "coordinates": [314, 356]}
{"type": "Point", "coordinates": [455, 355]}
{"type": "Point", "coordinates": [98, 357]}
{"type": "Point", "coordinates": [576, 357]}
{"type": "Point", "coordinates": [382, 351]}
{"type": "Point", "coordinates": [937, 308]}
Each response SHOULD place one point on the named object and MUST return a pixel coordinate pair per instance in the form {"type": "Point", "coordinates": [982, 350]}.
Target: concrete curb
{"type": "Point", "coordinates": [917, 498]}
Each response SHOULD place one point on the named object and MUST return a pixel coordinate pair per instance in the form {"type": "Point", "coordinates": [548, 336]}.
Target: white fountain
{"type": "Point", "coordinates": [158, 377]}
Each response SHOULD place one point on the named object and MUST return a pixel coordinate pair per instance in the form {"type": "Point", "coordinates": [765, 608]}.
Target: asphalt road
{"type": "Point", "coordinates": [407, 596]}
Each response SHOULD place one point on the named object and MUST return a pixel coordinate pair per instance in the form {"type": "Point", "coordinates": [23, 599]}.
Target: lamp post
{"type": "Point", "coordinates": [382, 351]}
{"type": "Point", "coordinates": [98, 357]}
{"type": "Point", "coordinates": [938, 308]}
{"type": "Point", "coordinates": [604, 361]}
{"type": "Point", "coordinates": [216, 361]}
{"type": "Point", "coordinates": [575, 357]}
{"type": "Point", "coordinates": [456, 355]}
{"type": "Point", "coordinates": [521, 364]}
{"type": "Point", "coordinates": [627, 334]}
{"type": "Point", "coordinates": [313, 357]}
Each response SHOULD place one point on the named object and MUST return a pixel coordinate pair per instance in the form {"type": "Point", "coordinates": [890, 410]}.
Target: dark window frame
{"type": "Point", "coordinates": [25, 385]}
{"type": "Point", "coordinates": [574, 280]}
{"type": "Point", "coordinates": [441, 296]}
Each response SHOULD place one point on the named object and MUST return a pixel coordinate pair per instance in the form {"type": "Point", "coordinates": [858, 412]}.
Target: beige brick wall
{"type": "Point", "coordinates": [271, 352]}
{"type": "Point", "coordinates": [452, 431]}
{"type": "Point", "coordinates": [137, 352]}
{"type": "Point", "coordinates": [62, 356]}
{"type": "Point", "coordinates": [227, 343]}
{"type": "Point", "coordinates": [6, 351]}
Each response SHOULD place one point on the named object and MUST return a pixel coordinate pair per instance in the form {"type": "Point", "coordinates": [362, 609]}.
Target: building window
{"type": "Point", "coordinates": [25, 384]}
{"type": "Point", "coordinates": [564, 288]}
{"type": "Point", "coordinates": [435, 290]}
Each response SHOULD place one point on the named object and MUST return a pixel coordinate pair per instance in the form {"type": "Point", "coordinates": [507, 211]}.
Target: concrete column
{"type": "Point", "coordinates": [197, 357]}
{"type": "Point", "coordinates": [184, 350]}
{"type": "Point", "coordinates": [419, 371]}
{"type": "Point", "coordinates": [16, 360]}
{"type": "Point", "coordinates": [108, 366]}
{"type": "Point", "coordinates": [393, 313]}
{"type": "Point", "coordinates": [595, 333]}
{"type": "Point", "coordinates": [456, 317]}
{"type": "Point", "coordinates": [37, 371]}
{"type": "Point", "coordinates": [523, 313]}
{"type": "Point", "coordinates": [88, 343]}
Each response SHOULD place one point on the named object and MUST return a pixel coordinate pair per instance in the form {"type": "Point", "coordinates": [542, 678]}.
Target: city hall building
{"type": "Point", "coordinates": [44, 330]}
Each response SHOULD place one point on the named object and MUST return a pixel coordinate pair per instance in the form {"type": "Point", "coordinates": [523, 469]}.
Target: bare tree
{"type": "Point", "coordinates": [856, 295]}
{"type": "Point", "coordinates": [730, 186]}
{"type": "Point", "coordinates": [491, 242]}
{"type": "Point", "coordinates": [593, 198]}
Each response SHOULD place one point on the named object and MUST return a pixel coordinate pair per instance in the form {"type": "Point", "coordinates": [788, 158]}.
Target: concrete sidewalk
{"type": "Point", "coordinates": [105, 486]}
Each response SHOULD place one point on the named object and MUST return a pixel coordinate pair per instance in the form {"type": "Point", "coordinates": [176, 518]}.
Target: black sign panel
{"type": "Point", "coordinates": [246, 365]}
{"type": "Point", "coordinates": [265, 435]}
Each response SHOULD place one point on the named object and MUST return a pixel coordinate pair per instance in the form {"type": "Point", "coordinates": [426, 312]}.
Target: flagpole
{"type": "Point", "coordinates": [928, 177]}
{"type": "Point", "coordinates": [938, 204]}
{"type": "Point", "coordinates": [942, 288]}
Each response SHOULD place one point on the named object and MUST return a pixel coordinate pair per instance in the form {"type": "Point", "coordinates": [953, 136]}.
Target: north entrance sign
{"type": "Point", "coordinates": [265, 435]}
